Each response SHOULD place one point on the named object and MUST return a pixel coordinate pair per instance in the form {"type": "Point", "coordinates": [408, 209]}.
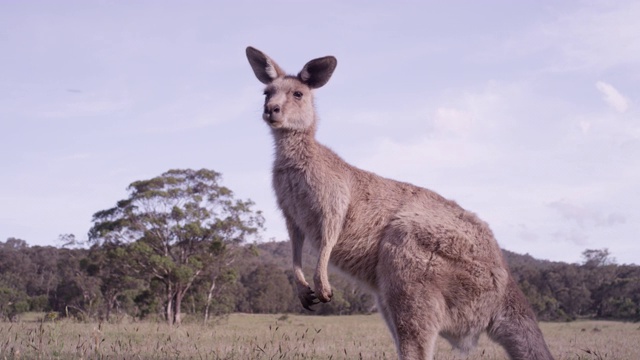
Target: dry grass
{"type": "Point", "coordinates": [282, 337]}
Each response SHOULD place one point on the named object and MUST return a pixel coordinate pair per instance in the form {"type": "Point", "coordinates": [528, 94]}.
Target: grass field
{"type": "Point", "coordinates": [242, 336]}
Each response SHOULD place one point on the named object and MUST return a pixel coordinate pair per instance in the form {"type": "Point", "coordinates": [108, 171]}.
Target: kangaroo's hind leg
{"type": "Point", "coordinates": [415, 326]}
{"type": "Point", "coordinates": [386, 315]}
{"type": "Point", "coordinates": [413, 307]}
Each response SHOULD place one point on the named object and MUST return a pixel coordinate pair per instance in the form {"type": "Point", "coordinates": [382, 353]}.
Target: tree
{"type": "Point", "coordinates": [13, 244]}
{"type": "Point", "coordinates": [12, 303]}
{"type": "Point", "coordinates": [110, 263]}
{"type": "Point", "coordinates": [268, 290]}
{"type": "Point", "coordinates": [15, 265]}
{"type": "Point", "coordinates": [44, 276]}
{"type": "Point", "coordinates": [597, 257]}
{"type": "Point", "coordinates": [222, 274]}
{"type": "Point", "coordinates": [76, 294]}
{"type": "Point", "coordinates": [178, 225]}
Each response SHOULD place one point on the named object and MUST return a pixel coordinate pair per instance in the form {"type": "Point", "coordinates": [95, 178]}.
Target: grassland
{"type": "Point", "coordinates": [242, 336]}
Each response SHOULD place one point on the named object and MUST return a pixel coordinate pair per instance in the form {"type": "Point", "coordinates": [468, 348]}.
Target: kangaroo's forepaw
{"type": "Point", "coordinates": [308, 298]}
{"type": "Point", "coordinates": [324, 294]}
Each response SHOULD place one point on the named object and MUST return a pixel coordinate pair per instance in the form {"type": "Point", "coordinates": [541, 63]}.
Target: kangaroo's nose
{"type": "Point", "coordinates": [271, 109]}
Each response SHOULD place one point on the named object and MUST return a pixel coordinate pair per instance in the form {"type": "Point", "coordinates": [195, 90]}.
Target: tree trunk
{"type": "Point", "coordinates": [209, 298]}
{"type": "Point", "coordinates": [109, 308]}
{"type": "Point", "coordinates": [179, 295]}
{"type": "Point", "coordinates": [177, 314]}
{"type": "Point", "coordinates": [169, 305]}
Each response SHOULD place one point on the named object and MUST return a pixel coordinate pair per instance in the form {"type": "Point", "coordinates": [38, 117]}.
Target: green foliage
{"type": "Point", "coordinates": [596, 289]}
{"type": "Point", "coordinates": [146, 304]}
{"type": "Point", "coordinates": [12, 303]}
{"type": "Point", "coordinates": [176, 228]}
{"type": "Point", "coordinates": [39, 303]}
{"type": "Point", "coordinates": [113, 280]}
{"type": "Point", "coordinates": [597, 257]}
{"type": "Point", "coordinates": [267, 290]}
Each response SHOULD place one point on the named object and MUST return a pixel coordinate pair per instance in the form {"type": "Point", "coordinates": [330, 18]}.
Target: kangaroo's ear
{"type": "Point", "coordinates": [266, 70]}
{"type": "Point", "coordinates": [317, 72]}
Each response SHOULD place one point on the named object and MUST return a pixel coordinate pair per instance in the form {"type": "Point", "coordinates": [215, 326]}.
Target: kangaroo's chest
{"type": "Point", "coordinates": [297, 198]}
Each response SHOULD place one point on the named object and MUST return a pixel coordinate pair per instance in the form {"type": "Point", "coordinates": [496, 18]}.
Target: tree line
{"type": "Point", "coordinates": [181, 245]}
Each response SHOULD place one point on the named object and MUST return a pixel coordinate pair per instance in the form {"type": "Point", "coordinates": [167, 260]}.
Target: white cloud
{"type": "Point", "coordinates": [586, 216]}
{"type": "Point", "coordinates": [48, 100]}
{"type": "Point", "coordinates": [574, 236]}
{"type": "Point", "coordinates": [76, 156]}
{"type": "Point", "coordinates": [508, 152]}
{"type": "Point", "coordinates": [595, 35]}
{"type": "Point", "coordinates": [527, 234]}
{"type": "Point", "coordinates": [453, 121]}
{"type": "Point", "coordinates": [424, 110]}
{"type": "Point", "coordinates": [613, 97]}
{"type": "Point", "coordinates": [585, 126]}
{"type": "Point", "coordinates": [202, 109]}
{"type": "Point", "coordinates": [87, 108]}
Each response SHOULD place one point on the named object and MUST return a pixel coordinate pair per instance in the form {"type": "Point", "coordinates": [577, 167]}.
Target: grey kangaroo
{"type": "Point", "coordinates": [433, 267]}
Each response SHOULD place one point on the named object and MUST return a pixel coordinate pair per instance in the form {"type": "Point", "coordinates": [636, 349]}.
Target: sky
{"type": "Point", "coordinates": [524, 112]}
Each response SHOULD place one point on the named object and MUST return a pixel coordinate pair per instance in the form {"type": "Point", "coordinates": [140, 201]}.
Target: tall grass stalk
{"type": "Point", "coordinates": [242, 336]}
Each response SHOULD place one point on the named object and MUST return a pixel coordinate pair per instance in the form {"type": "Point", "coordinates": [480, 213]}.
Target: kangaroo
{"type": "Point", "coordinates": [433, 267]}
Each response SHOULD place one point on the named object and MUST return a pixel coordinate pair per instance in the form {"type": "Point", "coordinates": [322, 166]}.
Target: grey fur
{"type": "Point", "coordinates": [434, 268]}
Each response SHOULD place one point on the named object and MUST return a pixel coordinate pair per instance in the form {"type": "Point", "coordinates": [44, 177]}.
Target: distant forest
{"type": "Point", "coordinates": [180, 247]}
{"type": "Point", "coordinates": [82, 284]}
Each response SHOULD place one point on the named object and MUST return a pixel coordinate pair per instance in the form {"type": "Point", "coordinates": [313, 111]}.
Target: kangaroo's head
{"type": "Point", "coordinates": [288, 102]}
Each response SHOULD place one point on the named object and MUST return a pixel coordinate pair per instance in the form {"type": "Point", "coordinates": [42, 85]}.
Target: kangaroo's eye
{"type": "Point", "coordinates": [297, 95]}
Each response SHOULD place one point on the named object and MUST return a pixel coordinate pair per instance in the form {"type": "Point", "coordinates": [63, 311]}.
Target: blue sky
{"type": "Point", "coordinates": [524, 112]}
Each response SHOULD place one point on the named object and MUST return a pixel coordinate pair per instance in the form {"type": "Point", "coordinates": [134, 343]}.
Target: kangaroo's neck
{"type": "Point", "coordinates": [294, 147]}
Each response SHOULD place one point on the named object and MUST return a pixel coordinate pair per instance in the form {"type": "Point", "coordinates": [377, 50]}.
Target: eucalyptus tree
{"type": "Point", "coordinates": [177, 227]}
